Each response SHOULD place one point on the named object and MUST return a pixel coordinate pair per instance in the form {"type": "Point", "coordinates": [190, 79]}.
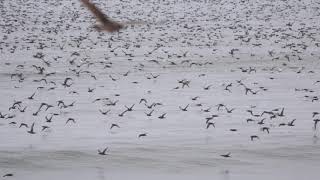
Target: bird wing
{"type": "Point", "coordinates": [97, 13]}
{"type": "Point", "coordinates": [107, 24]}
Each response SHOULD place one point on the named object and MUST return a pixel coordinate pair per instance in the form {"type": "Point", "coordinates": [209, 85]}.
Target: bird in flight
{"type": "Point", "coordinates": [103, 152]}
{"type": "Point", "coordinates": [106, 24]}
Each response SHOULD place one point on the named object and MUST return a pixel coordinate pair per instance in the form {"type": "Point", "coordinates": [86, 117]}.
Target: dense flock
{"type": "Point", "coordinates": [225, 76]}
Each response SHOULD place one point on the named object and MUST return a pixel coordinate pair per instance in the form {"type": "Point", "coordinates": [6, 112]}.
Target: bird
{"type": "Point", "coordinates": [104, 112]}
{"type": "Point", "coordinates": [150, 113]}
{"type": "Point", "coordinates": [251, 112]}
{"type": "Point", "coordinates": [226, 155]}
{"type": "Point", "coordinates": [316, 121]}
{"type": "Point", "coordinates": [103, 152]}
{"type": "Point", "coordinates": [142, 100]}
{"type": "Point", "coordinates": [206, 110]}
{"type": "Point", "coordinates": [106, 24]}
{"type": "Point", "coordinates": [142, 135]}
{"type": "Point", "coordinates": [219, 106]}
{"type": "Point", "coordinates": [254, 137]}
{"type": "Point", "coordinates": [65, 82]}
{"type": "Point", "coordinates": [31, 129]}
{"type": "Point", "coordinates": [207, 87]}
{"type": "Point", "coordinates": [281, 114]}
{"type": "Point", "coordinates": [31, 97]}
{"type": "Point", "coordinates": [44, 128]}
{"type": "Point", "coordinates": [23, 124]}
{"type": "Point", "coordinates": [229, 110]}
{"type": "Point", "coordinates": [162, 116]}
{"type": "Point", "coordinates": [91, 89]}
{"type": "Point", "coordinates": [266, 129]}
{"type": "Point", "coordinates": [261, 121]}
{"type": "Point", "coordinates": [22, 110]}
{"type": "Point", "coordinates": [130, 108]}
{"type": "Point", "coordinates": [210, 124]}
{"type": "Point", "coordinates": [185, 108]}
{"type": "Point", "coordinates": [114, 125]}
{"type": "Point", "coordinates": [282, 124]}
{"type": "Point", "coordinates": [194, 98]}
{"type": "Point", "coordinates": [70, 119]}
{"type": "Point", "coordinates": [249, 120]}
{"type": "Point", "coordinates": [48, 119]}
{"type": "Point", "coordinates": [291, 122]}
{"type": "Point", "coordinates": [121, 114]}
{"type": "Point", "coordinates": [211, 117]}
{"type": "Point", "coordinates": [8, 175]}
{"type": "Point", "coordinates": [314, 114]}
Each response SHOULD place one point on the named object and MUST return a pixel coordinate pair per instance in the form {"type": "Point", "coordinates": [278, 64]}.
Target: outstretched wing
{"type": "Point", "coordinates": [97, 12]}
{"type": "Point", "coordinates": [107, 24]}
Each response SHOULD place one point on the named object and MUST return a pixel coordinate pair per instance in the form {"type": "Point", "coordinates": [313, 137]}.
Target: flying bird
{"type": "Point", "coordinates": [226, 155]}
{"type": "Point", "coordinates": [8, 175]}
{"type": "Point", "coordinates": [31, 131]}
{"type": "Point", "coordinates": [106, 24]}
{"type": "Point", "coordinates": [142, 135]}
{"type": "Point", "coordinates": [114, 125]}
{"type": "Point", "coordinates": [103, 152]}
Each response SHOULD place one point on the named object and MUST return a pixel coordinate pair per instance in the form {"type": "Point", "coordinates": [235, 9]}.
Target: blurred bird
{"type": "Point", "coordinates": [7, 175]}
{"type": "Point", "coordinates": [226, 155]}
{"type": "Point", "coordinates": [106, 23]}
{"type": "Point", "coordinates": [142, 135]}
{"type": "Point", "coordinates": [103, 152]}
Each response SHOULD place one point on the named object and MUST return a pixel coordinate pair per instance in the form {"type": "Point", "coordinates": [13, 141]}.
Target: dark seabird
{"type": "Point", "coordinates": [103, 152]}
{"type": "Point", "coordinates": [31, 129]}
{"type": "Point", "coordinates": [114, 125]}
{"type": "Point", "coordinates": [142, 135]}
{"type": "Point", "coordinates": [226, 155]}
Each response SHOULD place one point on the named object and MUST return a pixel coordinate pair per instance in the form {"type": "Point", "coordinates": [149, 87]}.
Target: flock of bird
{"type": "Point", "coordinates": [58, 52]}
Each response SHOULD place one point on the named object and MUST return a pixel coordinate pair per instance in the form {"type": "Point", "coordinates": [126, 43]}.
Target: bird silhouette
{"type": "Point", "coordinates": [31, 97]}
{"type": "Point", "coordinates": [150, 113]}
{"type": "Point", "coordinates": [316, 121]}
{"type": "Point", "coordinates": [314, 114]}
{"type": "Point", "coordinates": [291, 122]}
{"type": "Point", "coordinates": [226, 155]}
{"type": "Point", "coordinates": [142, 135]}
{"type": "Point", "coordinates": [210, 124]}
{"type": "Point", "coordinates": [71, 119]}
{"type": "Point", "coordinates": [104, 112]}
{"type": "Point", "coordinates": [114, 125]}
{"type": "Point", "coordinates": [103, 152]}
{"type": "Point", "coordinates": [185, 108]}
{"type": "Point", "coordinates": [23, 124]}
{"type": "Point", "coordinates": [44, 128]}
{"type": "Point", "coordinates": [266, 129]}
{"type": "Point", "coordinates": [142, 100]}
{"type": "Point", "coordinates": [130, 108]}
{"type": "Point", "coordinates": [162, 116]}
{"type": "Point", "coordinates": [31, 131]}
{"type": "Point", "coordinates": [254, 137]}
{"type": "Point", "coordinates": [8, 175]}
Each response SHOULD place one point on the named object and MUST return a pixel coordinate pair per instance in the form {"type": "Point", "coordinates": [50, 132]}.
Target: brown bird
{"type": "Point", "coordinates": [106, 24]}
